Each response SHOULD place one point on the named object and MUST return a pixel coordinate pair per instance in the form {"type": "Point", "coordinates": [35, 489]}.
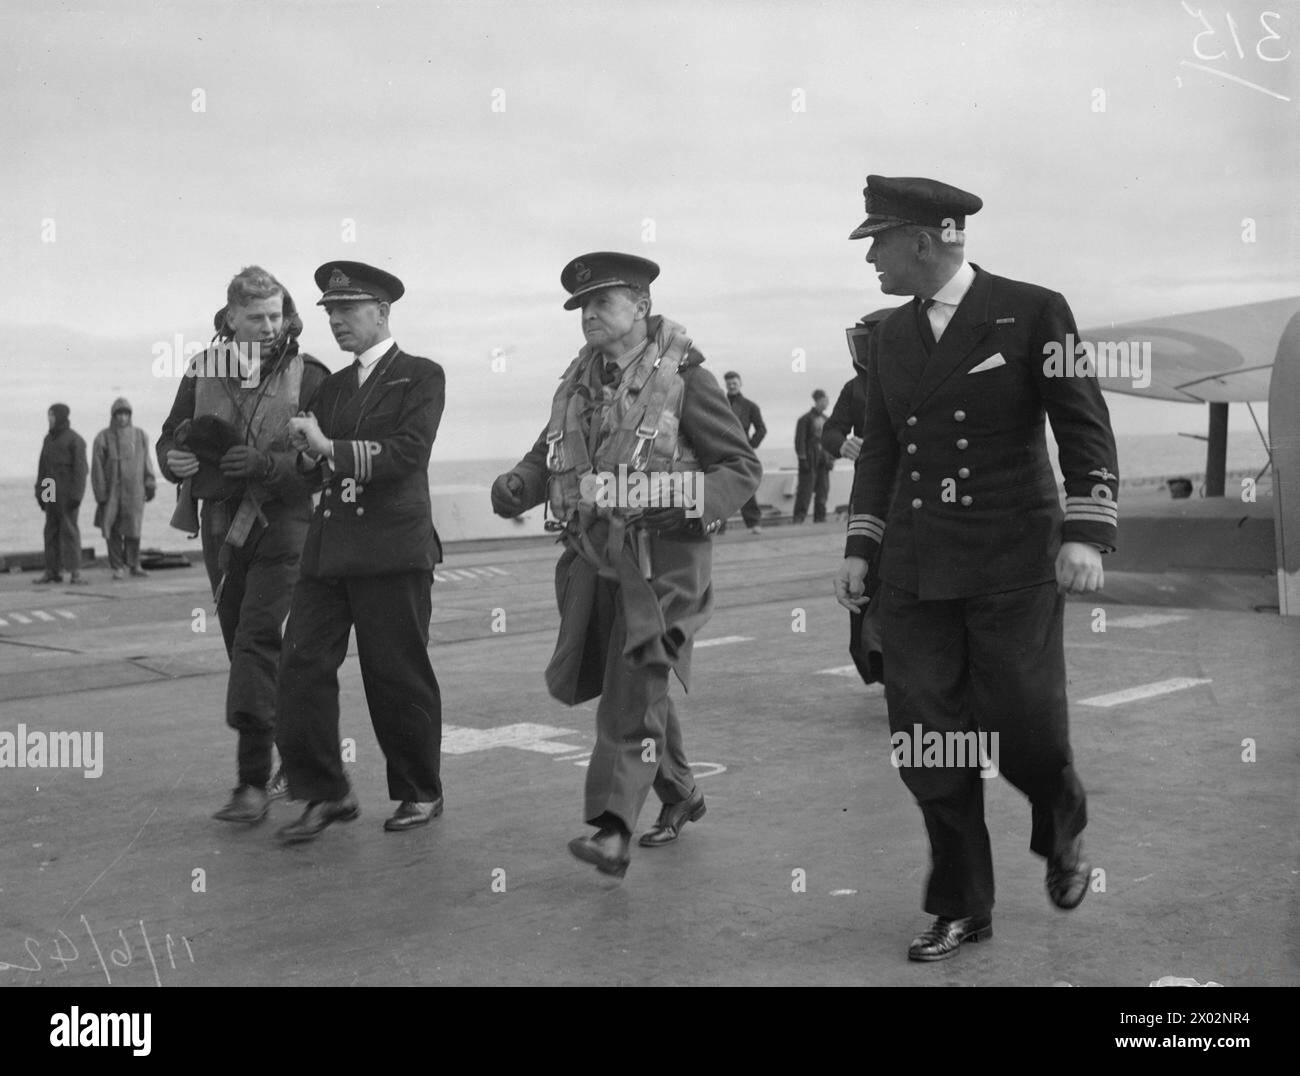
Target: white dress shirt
{"type": "Point", "coordinates": [947, 298]}
{"type": "Point", "coordinates": [367, 359]}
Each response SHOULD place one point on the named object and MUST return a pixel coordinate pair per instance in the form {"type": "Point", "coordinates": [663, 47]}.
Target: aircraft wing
{"type": "Point", "coordinates": [1210, 356]}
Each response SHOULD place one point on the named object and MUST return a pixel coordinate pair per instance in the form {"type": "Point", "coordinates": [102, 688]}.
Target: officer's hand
{"type": "Point", "coordinates": [507, 495]}
{"type": "Point", "coordinates": [305, 435]}
{"type": "Point", "coordinates": [243, 461]}
{"type": "Point", "coordinates": [852, 447]}
{"type": "Point", "coordinates": [850, 584]}
{"type": "Point", "coordinates": [182, 464]}
{"type": "Point", "coordinates": [1078, 568]}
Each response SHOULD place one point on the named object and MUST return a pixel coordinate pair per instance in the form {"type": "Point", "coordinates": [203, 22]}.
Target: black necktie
{"type": "Point", "coordinates": [927, 330]}
{"type": "Point", "coordinates": [609, 373]}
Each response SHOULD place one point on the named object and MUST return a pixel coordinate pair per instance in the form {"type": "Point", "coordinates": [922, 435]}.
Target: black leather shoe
{"type": "Point", "coordinates": [318, 815]}
{"type": "Point", "coordinates": [248, 804]}
{"type": "Point", "coordinates": [946, 936]}
{"type": "Point", "coordinates": [606, 850]}
{"type": "Point", "coordinates": [672, 817]}
{"type": "Point", "coordinates": [1068, 875]}
{"type": "Point", "coordinates": [410, 814]}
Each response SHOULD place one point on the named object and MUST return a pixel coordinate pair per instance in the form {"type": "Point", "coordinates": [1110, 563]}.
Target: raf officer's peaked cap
{"type": "Point", "coordinates": [907, 200]}
{"type": "Point", "coordinates": [343, 282]}
{"type": "Point", "coordinates": [604, 269]}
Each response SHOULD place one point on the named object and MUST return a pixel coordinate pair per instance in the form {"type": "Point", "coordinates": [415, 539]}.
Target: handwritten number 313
{"type": "Point", "coordinates": [1270, 35]}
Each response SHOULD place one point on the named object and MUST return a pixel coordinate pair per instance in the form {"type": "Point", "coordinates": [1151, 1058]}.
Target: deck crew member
{"type": "Point", "coordinates": [367, 563]}
{"type": "Point", "coordinates": [979, 556]}
{"type": "Point", "coordinates": [751, 422]}
{"type": "Point", "coordinates": [60, 485]}
{"type": "Point", "coordinates": [233, 407]}
{"type": "Point", "coordinates": [815, 462]}
{"type": "Point", "coordinates": [634, 584]}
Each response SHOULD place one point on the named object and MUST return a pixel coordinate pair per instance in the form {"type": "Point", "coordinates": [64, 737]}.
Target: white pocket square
{"type": "Point", "coordinates": [991, 363]}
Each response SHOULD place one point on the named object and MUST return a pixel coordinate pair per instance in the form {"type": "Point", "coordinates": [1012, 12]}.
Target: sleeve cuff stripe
{"type": "Point", "coordinates": [1089, 517]}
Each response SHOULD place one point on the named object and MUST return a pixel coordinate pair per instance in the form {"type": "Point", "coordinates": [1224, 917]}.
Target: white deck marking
{"type": "Point", "coordinates": [41, 614]}
{"type": "Point", "coordinates": [525, 736]}
{"type": "Point", "coordinates": [498, 571]}
{"type": "Point", "coordinates": [1144, 691]}
{"type": "Point", "coordinates": [1144, 620]}
{"type": "Point", "coordinates": [707, 769]}
{"type": "Point", "coordinates": [3, 622]}
{"type": "Point", "coordinates": [723, 640]}
{"type": "Point", "coordinates": [20, 618]}
{"type": "Point", "coordinates": [839, 670]}
{"type": "Point", "coordinates": [65, 614]}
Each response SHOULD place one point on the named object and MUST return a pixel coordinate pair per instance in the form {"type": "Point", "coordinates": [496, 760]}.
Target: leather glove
{"type": "Point", "coordinates": [507, 492]}
{"type": "Point", "coordinates": [243, 461]}
{"type": "Point", "coordinates": [669, 519]}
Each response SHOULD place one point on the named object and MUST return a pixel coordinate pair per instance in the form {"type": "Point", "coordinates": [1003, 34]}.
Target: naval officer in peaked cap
{"type": "Point", "coordinates": [634, 584]}
{"type": "Point", "coordinates": [367, 564]}
{"type": "Point", "coordinates": [980, 554]}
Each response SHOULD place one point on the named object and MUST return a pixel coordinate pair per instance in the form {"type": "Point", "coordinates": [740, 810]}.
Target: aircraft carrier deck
{"type": "Point", "coordinates": [124, 879]}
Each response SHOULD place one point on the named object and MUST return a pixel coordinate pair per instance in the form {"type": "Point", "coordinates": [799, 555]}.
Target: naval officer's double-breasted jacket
{"type": "Point", "coordinates": [960, 425]}
{"type": "Point", "coordinates": [374, 515]}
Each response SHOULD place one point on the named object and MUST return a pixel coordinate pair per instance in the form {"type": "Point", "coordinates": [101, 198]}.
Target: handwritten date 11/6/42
{"type": "Point", "coordinates": [120, 953]}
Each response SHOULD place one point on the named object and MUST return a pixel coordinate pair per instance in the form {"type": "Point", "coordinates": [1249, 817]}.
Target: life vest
{"type": "Point", "coordinates": [646, 433]}
{"type": "Point", "coordinates": [261, 413]}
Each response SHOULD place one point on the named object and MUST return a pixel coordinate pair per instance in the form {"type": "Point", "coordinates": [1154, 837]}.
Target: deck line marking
{"type": "Point", "coordinates": [723, 640]}
{"type": "Point", "coordinates": [1144, 691]}
{"type": "Point", "coordinates": [3, 622]}
{"type": "Point", "coordinates": [41, 614]}
{"type": "Point", "coordinates": [498, 571]}
{"type": "Point", "coordinates": [839, 670]}
{"type": "Point", "coordinates": [1145, 620]}
{"type": "Point", "coordinates": [65, 614]}
{"type": "Point", "coordinates": [20, 618]}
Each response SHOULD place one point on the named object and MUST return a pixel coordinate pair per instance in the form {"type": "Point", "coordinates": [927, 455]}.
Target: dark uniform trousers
{"type": "Point", "coordinates": [254, 601]}
{"type": "Point", "coordinates": [993, 663]}
{"type": "Point", "coordinates": [391, 616]}
{"type": "Point", "coordinates": [634, 708]}
{"type": "Point", "coordinates": [62, 538]}
{"type": "Point", "coordinates": [814, 485]}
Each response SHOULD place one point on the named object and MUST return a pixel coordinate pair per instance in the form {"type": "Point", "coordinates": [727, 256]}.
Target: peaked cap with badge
{"type": "Point", "coordinates": [343, 282]}
{"type": "Point", "coordinates": [605, 269]}
{"type": "Point", "coordinates": [891, 203]}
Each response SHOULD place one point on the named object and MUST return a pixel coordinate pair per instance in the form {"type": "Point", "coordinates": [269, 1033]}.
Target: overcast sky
{"type": "Point", "coordinates": [475, 148]}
